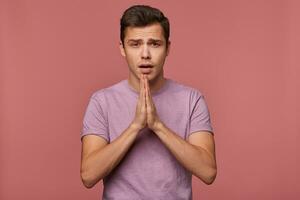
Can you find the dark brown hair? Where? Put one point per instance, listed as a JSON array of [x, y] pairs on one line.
[[143, 15]]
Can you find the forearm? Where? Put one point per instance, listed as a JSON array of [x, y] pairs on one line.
[[101, 162], [194, 158]]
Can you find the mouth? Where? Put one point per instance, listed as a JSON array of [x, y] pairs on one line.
[[145, 68]]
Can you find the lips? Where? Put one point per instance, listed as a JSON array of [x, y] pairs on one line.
[[145, 66]]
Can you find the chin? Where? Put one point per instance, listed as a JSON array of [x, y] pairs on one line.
[[150, 76]]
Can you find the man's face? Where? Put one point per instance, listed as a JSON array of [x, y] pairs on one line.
[[145, 50]]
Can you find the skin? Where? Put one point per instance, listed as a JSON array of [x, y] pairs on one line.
[[197, 154]]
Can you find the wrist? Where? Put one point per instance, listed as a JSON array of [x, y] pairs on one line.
[[158, 126], [135, 127]]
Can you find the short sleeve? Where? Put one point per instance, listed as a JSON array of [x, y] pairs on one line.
[[199, 116], [94, 120]]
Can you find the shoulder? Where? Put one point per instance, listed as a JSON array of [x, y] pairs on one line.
[[185, 89], [103, 93]]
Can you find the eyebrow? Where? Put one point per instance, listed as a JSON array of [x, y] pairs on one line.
[[155, 40], [150, 40], [133, 40]]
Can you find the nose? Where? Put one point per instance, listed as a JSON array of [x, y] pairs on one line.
[[145, 52]]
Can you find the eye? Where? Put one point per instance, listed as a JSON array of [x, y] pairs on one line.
[[134, 44], [155, 44]]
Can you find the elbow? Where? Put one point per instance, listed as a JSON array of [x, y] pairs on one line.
[[210, 178], [87, 184], [87, 181]]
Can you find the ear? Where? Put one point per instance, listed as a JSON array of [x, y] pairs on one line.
[[169, 46], [122, 50]]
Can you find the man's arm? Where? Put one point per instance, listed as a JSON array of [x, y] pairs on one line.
[[197, 154], [98, 158]]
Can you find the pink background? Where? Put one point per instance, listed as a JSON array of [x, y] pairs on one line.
[[243, 55]]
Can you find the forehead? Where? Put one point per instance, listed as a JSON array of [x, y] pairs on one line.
[[153, 31]]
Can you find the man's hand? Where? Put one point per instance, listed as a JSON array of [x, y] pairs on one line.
[[153, 120], [145, 114], [140, 119]]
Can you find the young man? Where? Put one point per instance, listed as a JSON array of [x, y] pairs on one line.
[[145, 136]]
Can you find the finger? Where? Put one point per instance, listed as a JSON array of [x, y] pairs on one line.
[[149, 93], [146, 84], [141, 87], [148, 96], [142, 103], [146, 90], [144, 93]]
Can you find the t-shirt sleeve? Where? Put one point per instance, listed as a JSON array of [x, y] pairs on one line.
[[94, 120], [199, 116]]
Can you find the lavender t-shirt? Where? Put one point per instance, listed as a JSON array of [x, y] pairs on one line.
[[148, 170]]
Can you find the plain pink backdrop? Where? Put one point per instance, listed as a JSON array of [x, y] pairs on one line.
[[243, 55]]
